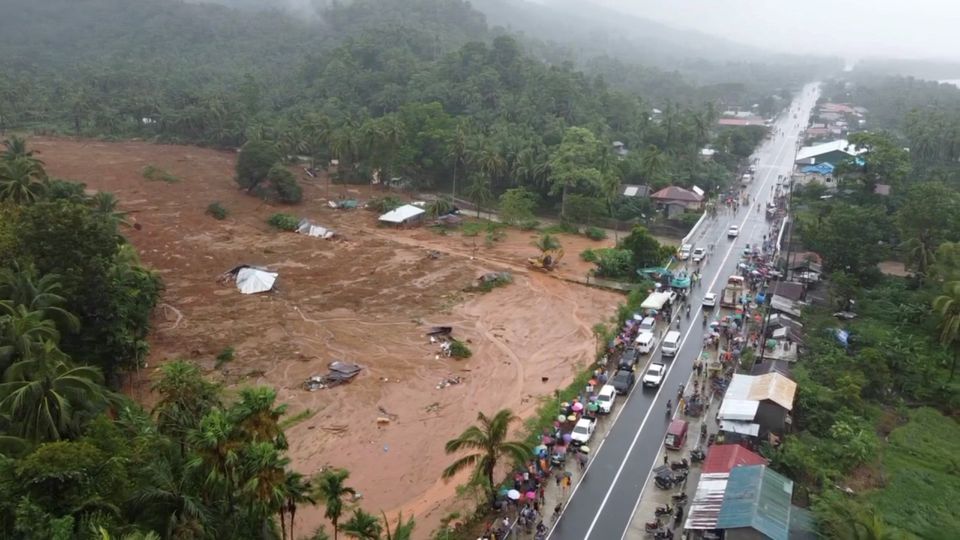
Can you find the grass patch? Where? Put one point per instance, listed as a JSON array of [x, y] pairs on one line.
[[550, 407], [473, 228], [558, 228], [305, 414], [595, 233], [153, 173], [921, 465]]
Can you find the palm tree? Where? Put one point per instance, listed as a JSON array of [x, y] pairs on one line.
[[403, 530], [948, 306], [47, 397], [16, 147], [24, 333], [218, 453], [20, 286], [652, 163], [185, 399], [489, 441], [256, 416], [296, 491], [479, 191], [457, 150], [263, 481], [105, 203], [21, 180], [169, 498], [363, 526], [547, 242], [330, 488]]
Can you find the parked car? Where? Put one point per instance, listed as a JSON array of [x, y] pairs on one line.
[[710, 300], [582, 431], [654, 375], [648, 324], [733, 231], [699, 254], [685, 251], [645, 342], [606, 398], [623, 381], [628, 359]]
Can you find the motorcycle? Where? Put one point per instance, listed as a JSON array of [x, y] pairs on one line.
[[679, 498], [663, 510], [697, 455], [683, 464], [652, 526], [665, 534], [663, 482]]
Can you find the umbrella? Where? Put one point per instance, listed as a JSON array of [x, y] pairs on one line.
[[572, 418], [564, 405], [585, 449], [531, 495], [504, 491], [561, 418], [539, 449], [568, 474], [513, 494], [577, 407], [593, 406], [593, 382], [546, 439], [567, 438]]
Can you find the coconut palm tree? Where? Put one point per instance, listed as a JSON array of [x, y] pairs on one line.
[[218, 453], [48, 398], [262, 482], [457, 151], [479, 191], [296, 491], [168, 501], [403, 530], [330, 488], [23, 333], [14, 148], [489, 440], [185, 399], [547, 242], [105, 203], [21, 180], [20, 287], [652, 163], [948, 306], [362, 526], [257, 417]]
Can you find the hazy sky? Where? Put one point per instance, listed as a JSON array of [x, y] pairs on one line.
[[857, 28]]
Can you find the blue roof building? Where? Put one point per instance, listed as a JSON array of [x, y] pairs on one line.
[[756, 504]]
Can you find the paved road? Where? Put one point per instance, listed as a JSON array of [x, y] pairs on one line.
[[603, 501]]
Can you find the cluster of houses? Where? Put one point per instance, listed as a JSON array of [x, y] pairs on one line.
[[833, 121], [737, 492]]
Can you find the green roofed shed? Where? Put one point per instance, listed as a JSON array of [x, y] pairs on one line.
[[756, 504]]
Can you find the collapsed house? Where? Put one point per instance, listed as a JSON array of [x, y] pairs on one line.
[[310, 229], [340, 372], [250, 279]]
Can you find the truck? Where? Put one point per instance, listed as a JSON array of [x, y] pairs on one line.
[[730, 297]]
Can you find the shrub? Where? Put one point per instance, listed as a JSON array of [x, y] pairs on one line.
[[383, 205], [283, 186], [473, 228], [517, 205], [588, 255], [595, 233], [528, 225], [459, 349], [284, 222], [155, 173], [256, 160], [438, 207], [226, 355], [217, 211]]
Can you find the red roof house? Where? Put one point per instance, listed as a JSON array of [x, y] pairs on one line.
[[678, 195], [722, 458]]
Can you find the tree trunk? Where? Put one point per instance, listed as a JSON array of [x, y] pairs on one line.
[[563, 204], [953, 366], [454, 190]]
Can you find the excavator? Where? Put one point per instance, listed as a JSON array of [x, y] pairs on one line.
[[548, 260]]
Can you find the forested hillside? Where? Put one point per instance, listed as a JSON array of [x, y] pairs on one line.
[[419, 89]]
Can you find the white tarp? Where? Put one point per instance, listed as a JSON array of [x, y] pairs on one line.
[[254, 280], [317, 231], [655, 301], [402, 214], [742, 428]]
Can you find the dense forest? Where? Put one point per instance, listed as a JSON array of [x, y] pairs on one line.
[[414, 89]]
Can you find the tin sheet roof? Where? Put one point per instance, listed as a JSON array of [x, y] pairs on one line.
[[706, 504], [722, 458], [741, 428], [774, 387], [738, 409], [758, 498]]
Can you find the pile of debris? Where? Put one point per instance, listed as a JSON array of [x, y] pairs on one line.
[[249, 279], [340, 372], [449, 381], [308, 228]]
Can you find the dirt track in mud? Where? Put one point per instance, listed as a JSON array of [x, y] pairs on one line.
[[367, 299]]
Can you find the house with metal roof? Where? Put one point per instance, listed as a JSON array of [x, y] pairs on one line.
[[675, 195], [833, 152], [708, 499], [756, 504], [756, 407]]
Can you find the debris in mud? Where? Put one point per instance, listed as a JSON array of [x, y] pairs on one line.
[[449, 381], [433, 407], [340, 372]]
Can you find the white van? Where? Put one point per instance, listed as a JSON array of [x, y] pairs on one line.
[[645, 342], [648, 324], [671, 343]]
